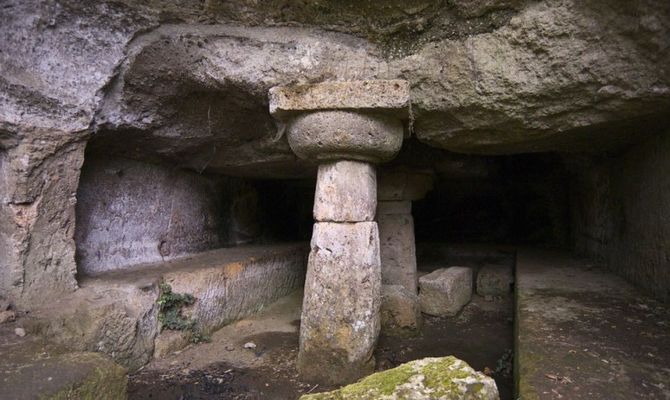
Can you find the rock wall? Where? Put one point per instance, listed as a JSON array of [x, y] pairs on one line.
[[621, 213], [131, 212], [186, 83], [39, 174]]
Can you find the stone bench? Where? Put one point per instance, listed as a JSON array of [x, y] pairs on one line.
[[117, 313]]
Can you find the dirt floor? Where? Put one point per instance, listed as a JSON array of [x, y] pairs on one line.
[[265, 369], [585, 333]]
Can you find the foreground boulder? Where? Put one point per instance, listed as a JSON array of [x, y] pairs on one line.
[[430, 378], [32, 369]]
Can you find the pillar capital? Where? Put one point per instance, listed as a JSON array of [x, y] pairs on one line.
[[356, 120]]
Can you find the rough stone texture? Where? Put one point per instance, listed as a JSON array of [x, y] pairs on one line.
[[39, 174], [7, 316], [401, 185], [187, 82], [394, 207], [384, 96], [340, 315], [259, 276], [346, 191], [31, 369], [119, 320], [333, 135], [168, 342], [398, 251], [495, 280], [445, 291], [512, 76], [580, 328], [445, 378], [131, 213], [621, 213], [400, 311], [116, 313]]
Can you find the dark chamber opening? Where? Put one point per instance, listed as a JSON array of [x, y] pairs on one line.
[[522, 199], [285, 209]]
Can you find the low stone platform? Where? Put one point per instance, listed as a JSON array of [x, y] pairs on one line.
[[117, 313], [30, 369], [584, 333]]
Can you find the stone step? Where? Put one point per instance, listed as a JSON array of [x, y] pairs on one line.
[[585, 333], [117, 313]]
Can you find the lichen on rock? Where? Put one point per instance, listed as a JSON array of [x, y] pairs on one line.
[[443, 378]]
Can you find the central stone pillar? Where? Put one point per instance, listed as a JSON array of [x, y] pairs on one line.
[[347, 127]]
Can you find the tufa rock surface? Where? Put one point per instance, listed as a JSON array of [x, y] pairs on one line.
[[334, 135], [445, 291], [398, 249], [400, 311], [495, 280], [186, 83], [192, 79], [340, 314], [445, 378], [346, 191], [32, 369]]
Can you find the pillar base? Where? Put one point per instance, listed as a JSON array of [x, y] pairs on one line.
[[400, 312]]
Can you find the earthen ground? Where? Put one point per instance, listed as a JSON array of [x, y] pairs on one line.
[[585, 333], [481, 335]]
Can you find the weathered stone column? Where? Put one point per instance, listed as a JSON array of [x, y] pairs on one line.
[[396, 191], [347, 127]]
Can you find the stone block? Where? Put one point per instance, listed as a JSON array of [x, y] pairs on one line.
[[346, 191], [340, 316], [117, 313], [400, 311], [398, 252], [391, 96], [495, 280], [394, 207], [445, 291]]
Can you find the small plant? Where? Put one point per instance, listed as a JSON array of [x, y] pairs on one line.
[[199, 337], [170, 316], [171, 303]]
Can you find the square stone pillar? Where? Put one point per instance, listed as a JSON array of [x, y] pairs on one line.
[[396, 190], [398, 251]]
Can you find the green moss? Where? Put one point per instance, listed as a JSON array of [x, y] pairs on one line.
[[441, 376], [108, 382], [170, 313], [376, 385], [382, 383]]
